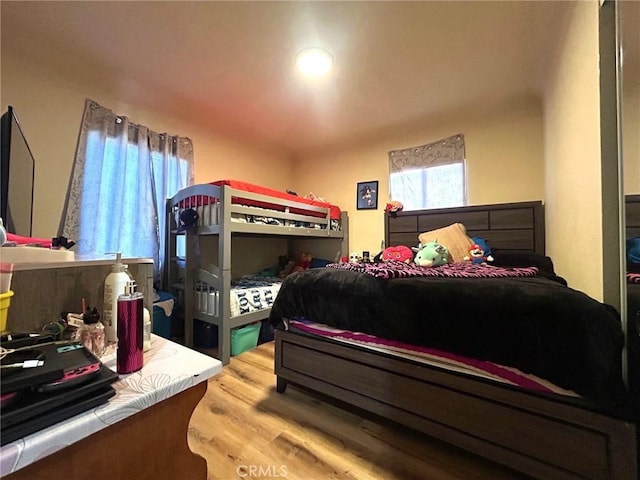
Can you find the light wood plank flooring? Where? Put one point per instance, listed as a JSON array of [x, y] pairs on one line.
[[245, 429]]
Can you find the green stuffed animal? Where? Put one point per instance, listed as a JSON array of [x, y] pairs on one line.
[[431, 254]]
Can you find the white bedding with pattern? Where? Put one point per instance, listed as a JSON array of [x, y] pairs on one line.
[[248, 294], [254, 298]]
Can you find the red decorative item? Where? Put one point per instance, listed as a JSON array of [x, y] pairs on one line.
[[401, 253], [393, 207]]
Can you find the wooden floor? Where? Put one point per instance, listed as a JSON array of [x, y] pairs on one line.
[[245, 429]]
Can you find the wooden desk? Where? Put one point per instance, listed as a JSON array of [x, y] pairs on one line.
[[140, 433]]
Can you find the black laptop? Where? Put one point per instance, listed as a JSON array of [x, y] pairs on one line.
[[28, 404], [70, 381], [58, 365], [57, 414]]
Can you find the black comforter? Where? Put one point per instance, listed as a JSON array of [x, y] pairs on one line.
[[534, 324]]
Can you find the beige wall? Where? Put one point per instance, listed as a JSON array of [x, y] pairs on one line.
[[503, 143], [548, 148], [572, 153], [49, 105]]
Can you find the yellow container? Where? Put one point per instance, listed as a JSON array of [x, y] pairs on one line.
[[5, 300]]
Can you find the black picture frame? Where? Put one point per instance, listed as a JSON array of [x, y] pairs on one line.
[[367, 195]]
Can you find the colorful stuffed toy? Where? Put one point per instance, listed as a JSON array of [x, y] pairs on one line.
[[303, 263], [633, 250], [354, 257], [400, 253], [431, 254], [479, 254], [393, 207]]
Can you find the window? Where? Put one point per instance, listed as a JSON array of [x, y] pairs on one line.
[[170, 175], [122, 175], [429, 176]]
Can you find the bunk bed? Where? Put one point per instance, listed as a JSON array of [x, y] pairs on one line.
[[225, 210], [512, 416]]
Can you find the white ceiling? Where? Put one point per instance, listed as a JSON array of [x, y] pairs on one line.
[[229, 65]]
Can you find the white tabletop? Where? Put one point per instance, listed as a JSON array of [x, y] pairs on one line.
[[169, 368]]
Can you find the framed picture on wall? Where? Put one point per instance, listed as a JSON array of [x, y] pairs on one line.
[[367, 195]]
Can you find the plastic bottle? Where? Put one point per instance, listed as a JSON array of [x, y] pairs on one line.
[[147, 328], [129, 353], [114, 285]]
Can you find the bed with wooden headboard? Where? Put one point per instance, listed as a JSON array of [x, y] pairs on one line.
[[507, 226], [632, 226], [544, 434]]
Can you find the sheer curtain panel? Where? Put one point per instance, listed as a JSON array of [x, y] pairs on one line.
[[122, 174]]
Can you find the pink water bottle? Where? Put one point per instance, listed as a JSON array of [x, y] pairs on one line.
[[130, 330]]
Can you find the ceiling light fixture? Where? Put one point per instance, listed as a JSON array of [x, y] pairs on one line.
[[314, 62]]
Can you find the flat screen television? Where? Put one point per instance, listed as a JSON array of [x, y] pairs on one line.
[[17, 173]]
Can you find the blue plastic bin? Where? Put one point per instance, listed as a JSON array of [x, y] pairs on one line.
[[163, 324]]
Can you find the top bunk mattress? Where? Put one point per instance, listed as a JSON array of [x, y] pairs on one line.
[[334, 211]]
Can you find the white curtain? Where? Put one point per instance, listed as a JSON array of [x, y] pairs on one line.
[[122, 175]]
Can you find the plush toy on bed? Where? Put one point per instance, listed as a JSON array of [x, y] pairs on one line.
[[633, 250], [400, 253], [286, 264], [479, 252], [303, 262], [431, 254], [393, 207]]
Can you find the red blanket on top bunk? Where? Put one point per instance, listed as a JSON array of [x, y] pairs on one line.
[[334, 211]]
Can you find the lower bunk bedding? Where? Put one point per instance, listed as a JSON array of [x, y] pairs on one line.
[[505, 362], [246, 300], [247, 294]]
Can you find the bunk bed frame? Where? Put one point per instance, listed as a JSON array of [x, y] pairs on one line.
[[220, 199], [544, 436]]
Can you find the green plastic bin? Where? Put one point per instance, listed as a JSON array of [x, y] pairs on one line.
[[244, 338]]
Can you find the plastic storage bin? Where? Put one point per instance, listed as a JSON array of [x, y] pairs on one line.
[[5, 301], [205, 335], [244, 338], [163, 324]]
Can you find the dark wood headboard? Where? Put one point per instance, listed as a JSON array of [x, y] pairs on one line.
[[632, 215], [506, 226]]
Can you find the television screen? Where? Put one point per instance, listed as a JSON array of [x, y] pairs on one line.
[[16, 177]]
